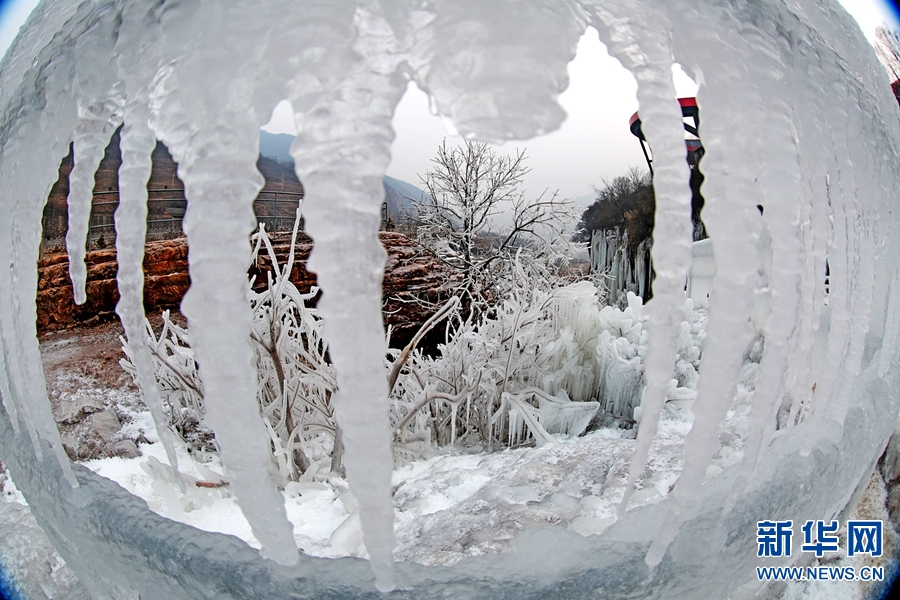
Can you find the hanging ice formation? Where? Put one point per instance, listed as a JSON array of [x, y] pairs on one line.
[[798, 117]]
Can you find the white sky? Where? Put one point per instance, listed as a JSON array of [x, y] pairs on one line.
[[593, 143], [599, 101]]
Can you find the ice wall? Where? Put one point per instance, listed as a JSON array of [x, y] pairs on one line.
[[798, 117]]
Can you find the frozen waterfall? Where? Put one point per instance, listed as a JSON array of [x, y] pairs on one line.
[[798, 118]]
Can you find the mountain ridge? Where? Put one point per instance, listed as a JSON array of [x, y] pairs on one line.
[[399, 195]]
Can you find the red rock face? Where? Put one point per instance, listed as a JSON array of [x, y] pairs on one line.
[[165, 282], [413, 277], [413, 280]]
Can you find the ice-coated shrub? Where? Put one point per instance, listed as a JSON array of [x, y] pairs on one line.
[[544, 362], [691, 340], [179, 384], [295, 379]]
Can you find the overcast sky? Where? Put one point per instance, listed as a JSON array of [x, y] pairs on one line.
[[593, 143]]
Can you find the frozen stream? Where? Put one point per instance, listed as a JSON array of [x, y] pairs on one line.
[[798, 117]]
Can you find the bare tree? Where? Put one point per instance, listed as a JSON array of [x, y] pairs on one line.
[[469, 186]]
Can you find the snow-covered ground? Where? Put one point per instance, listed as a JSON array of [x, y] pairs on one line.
[[448, 507], [453, 504]]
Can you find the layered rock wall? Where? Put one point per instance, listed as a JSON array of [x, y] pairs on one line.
[[414, 281]]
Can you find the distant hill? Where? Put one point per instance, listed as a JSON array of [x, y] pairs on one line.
[[276, 146], [407, 190], [398, 194]]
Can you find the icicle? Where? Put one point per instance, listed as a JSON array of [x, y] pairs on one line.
[[219, 320], [863, 259], [33, 385], [826, 373], [14, 401], [218, 166], [137, 144], [782, 219], [453, 407], [13, 367], [815, 158], [732, 193], [91, 138], [831, 160], [18, 284], [641, 43], [344, 192], [852, 365]]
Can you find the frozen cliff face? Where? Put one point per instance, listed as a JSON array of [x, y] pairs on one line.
[[797, 118]]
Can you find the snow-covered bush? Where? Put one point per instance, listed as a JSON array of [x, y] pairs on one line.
[[295, 379], [545, 361], [691, 341], [517, 375], [179, 384]]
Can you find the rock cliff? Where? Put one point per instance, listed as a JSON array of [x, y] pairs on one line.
[[413, 279]]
